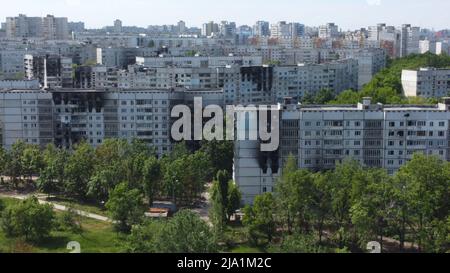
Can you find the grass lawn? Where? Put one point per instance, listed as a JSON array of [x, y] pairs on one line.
[[97, 237], [91, 208], [246, 249]]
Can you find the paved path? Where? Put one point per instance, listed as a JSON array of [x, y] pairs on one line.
[[203, 210], [58, 207]]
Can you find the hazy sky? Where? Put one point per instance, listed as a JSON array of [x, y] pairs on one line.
[[346, 13]]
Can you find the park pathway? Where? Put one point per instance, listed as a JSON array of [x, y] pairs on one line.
[[56, 206]]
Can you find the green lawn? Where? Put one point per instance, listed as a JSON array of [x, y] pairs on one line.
[[246, 249], [91, 208], [97, 237]]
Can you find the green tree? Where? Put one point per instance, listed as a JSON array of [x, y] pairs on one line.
[[28, 219], [297, 243], [259, 219], [220, 155], [51, 178], [70, 220], [100, 184], [299, 198], [152, 178], [372, 195], [186, 233], [425, 182], [78, 171], [13, 167], [283, 193], [324, 96], [234, 199], [126, 207], [322, 198], [144, 238], [341, 189], [348, 97], [109, 169], [31, 161], [3, 160]]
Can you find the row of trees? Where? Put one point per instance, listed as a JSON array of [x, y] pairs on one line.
[[350, 206], [88, 173]]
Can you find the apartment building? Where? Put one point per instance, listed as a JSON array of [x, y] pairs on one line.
[[210, 28], [319, 137], [67, 116], [270, 84], [261, 28], [19, 84], [328, 31], [370, 62], [140, 77], [426, 82], [12, 64], [386, 37], [52, 71], [49, 27], [409, 41], [199, 61]]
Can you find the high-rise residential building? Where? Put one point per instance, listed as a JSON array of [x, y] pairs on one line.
[[328, 31], [67, 116], [280, 30], [49, 27], [118, 26], [210, 28], [55, 28], [386, 37], [271, 84], [319, 137], [227, 29], [261, 29], [297, 30], [181, 27], [409, 40]]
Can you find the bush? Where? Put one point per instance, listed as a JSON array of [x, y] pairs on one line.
[[70, 221], [297, 243], [28, 219]]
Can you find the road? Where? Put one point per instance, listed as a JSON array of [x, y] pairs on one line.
[[57, 206]]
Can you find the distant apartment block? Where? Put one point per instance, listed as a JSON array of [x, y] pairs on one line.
[[328, 31], [426, 82], [49, 27]]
